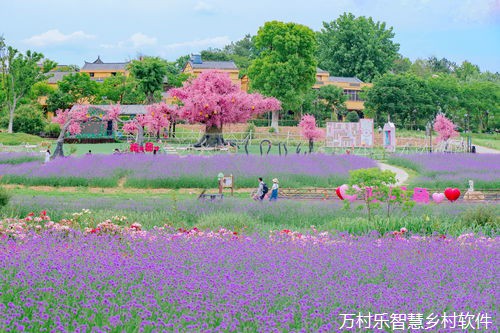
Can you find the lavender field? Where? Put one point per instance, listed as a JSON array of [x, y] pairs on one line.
[[441, 170], [158, 281], [167, 171]]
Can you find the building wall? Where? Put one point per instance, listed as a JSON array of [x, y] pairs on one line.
[[101, 75], [233, 74]]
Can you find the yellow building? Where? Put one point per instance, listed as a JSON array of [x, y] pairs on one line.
[[352, 87], [196, 66], [99, 70]]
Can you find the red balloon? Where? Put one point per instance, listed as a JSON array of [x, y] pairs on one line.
[[452, 194], [337, 190]]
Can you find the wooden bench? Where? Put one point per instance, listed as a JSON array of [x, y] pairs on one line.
[[210, 196]]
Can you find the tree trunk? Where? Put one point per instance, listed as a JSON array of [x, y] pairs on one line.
[[12, 108], [151, 98], [311, 145], [140, 135], [212, 137], [274, 120], [58, 152]]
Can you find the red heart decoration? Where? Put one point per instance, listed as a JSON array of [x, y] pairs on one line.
[[452, 194], [337, 190]]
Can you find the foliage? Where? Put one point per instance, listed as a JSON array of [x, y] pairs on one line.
[[78, 88], [150, 73], [405, 97], [352, 117], [121, 89], [18, 74], [356, 46], [58, 100], [333, 99], [52, 130], [483, 215], [28, 119], [285, 67], [481, 103], [213, 99], [175, 77], [444, 127], [4, 197], [377, 186], [401, 65]]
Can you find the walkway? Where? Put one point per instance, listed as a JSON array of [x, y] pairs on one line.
[[484, 150], [401, 175]]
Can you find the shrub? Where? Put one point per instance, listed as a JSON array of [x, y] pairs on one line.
[[484, 216], [52, 130], [27, 119], [4, 197], [352, 117]]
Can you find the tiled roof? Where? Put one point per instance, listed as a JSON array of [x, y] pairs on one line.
[[55, 77], [344, 79], [214, 65], [319, 70], [99, 65], [125, 109]]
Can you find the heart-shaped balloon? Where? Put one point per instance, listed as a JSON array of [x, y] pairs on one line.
[[343, 192], [438, 197], [337, 190], [452, 194]]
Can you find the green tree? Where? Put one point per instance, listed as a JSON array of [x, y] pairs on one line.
[[79, 88], [406, 98], [285, 67], [356, 46], [175, 77], [481, 103], [28, 118], [467, 71], [121, 89], [401, 65], [352, 117], [150, 73], [19, 72], [333, 99]]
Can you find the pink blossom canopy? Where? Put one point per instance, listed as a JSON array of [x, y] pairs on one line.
[[71, 118], [444, 127], [213, 99], [308, 128]]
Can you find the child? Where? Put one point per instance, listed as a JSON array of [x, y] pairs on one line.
[[274, 190]]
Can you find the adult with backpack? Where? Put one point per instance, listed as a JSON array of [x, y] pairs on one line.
[[261, 190]]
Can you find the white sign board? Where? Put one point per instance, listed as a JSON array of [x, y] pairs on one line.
[[349, 135]]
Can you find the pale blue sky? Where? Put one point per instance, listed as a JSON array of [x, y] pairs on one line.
[[72, 31]]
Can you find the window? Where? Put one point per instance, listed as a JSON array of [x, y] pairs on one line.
[[352, 95], [91, 74], [113, 73]]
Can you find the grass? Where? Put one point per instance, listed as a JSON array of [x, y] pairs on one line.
[[15, 139], [245, 215], [486, 140]]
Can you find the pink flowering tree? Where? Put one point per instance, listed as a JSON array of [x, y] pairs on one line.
[[309, 131], [445, 128], [70, 120], [214, 100]]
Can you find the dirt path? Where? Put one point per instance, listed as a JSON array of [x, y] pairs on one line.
[[485, 150], [401, 175]]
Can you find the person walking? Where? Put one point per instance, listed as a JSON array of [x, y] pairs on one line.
[[261, 190], [47, 156], [274, 190]]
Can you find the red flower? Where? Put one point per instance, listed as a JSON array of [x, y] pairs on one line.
[[43, 213], [286, 231], [31, 214]]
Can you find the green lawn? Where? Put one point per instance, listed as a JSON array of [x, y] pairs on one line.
[[16, 139]]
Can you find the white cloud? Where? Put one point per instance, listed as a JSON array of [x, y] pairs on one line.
[[135, 41], [203, 6], [54, 36], [140, 39], [201, 43], [478, 10]]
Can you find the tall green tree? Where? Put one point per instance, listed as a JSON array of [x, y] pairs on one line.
[[333, 99], [121, 89], [79, 88], [356, 46], [406, 98], [19, 72], [150, 73], [481, 103], [286, 65]]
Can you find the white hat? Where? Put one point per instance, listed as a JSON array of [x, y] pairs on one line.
[[275, 180]]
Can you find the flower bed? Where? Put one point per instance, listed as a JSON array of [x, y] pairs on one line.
[[442, 170], [157, 171], [113, 278], [18, 158]]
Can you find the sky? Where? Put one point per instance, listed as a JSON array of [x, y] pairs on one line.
[[74, 31]]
